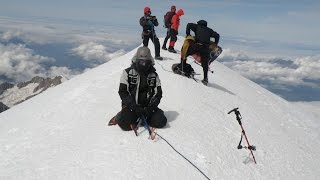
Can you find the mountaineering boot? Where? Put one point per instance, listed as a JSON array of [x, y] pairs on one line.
[[171, 49], [159, 58], [205, 81], [113, 121]]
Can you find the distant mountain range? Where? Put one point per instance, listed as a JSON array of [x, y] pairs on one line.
[[13, 94]]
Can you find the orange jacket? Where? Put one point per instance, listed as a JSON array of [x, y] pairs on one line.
[[175, 21]]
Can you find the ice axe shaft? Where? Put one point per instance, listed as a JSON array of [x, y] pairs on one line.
[[250, 147]]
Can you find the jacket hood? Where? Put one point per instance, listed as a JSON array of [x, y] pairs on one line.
[[143, 53], [202, 23], [180, 12]]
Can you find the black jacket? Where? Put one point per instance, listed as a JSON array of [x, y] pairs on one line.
[[137, 89], [146, 25], [202, 32]]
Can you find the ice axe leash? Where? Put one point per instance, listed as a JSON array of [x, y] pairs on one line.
[[243, 133]]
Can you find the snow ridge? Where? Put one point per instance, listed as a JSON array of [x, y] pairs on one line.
[[63, 134]]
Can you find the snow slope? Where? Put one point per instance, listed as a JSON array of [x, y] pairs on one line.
[[63, 133]]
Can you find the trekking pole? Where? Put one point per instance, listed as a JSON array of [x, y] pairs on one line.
[[250, 147]]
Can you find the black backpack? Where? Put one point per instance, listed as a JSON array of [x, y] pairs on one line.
[[167, 19], [185, 69]]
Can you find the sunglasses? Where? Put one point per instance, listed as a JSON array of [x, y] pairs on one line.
[[144, 62]]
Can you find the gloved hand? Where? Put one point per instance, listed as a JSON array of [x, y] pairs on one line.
[[140, 111], [149, 112], [129, 103], [150, 23]]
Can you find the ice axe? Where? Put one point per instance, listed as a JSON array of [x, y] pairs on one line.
[[250, 147]]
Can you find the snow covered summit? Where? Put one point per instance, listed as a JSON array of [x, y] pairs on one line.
[[63, 134]]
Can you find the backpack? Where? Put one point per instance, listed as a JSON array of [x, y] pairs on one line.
[[185, 70], [167, 19]]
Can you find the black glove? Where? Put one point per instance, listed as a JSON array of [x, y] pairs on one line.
[[149, 112], [140, 111], [129, 103]]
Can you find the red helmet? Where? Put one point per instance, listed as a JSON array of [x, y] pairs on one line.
[[146, 9]]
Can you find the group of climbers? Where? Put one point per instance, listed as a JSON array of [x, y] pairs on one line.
[[140, 88], [171, 22]]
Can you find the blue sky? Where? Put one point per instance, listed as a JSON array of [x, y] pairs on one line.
[[275, 44]]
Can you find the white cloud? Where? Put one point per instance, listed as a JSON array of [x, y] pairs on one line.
[[29, 32], [46, 31], [95, 51], [19, 64], [278, 71], [6, 36], [62, 71]]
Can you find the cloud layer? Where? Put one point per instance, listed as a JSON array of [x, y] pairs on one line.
[[276, 70], [80, 49], [33, 48], [19, 63], [96, 52]]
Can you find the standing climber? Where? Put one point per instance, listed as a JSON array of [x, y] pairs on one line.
[[167, 24], [148, 23]]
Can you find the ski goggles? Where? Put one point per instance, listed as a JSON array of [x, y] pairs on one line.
[[144, 62]]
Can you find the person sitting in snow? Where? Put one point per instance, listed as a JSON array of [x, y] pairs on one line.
[[140, 92]]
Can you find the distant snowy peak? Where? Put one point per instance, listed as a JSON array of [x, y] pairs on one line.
[[5, 86], [3, 107], [43, 83], [11, 94]]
